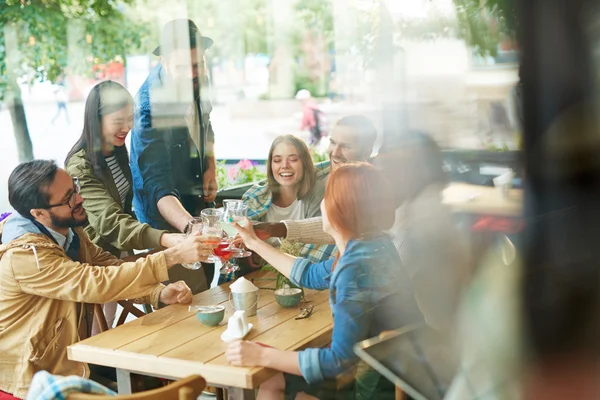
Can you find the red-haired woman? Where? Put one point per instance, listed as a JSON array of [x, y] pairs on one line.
[[369, 290]]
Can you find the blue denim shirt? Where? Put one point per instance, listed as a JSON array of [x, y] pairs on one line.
[[164, 159], [369, 292]]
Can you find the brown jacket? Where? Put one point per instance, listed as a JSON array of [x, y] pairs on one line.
[[41, 296]]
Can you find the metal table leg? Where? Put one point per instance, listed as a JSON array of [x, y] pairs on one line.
[[123, 381], [240, 394]]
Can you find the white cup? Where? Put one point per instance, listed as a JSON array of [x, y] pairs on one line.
[[242, 315], [237, 324]]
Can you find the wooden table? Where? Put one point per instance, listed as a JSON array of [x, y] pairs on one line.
[[171, 343], [483, 200]]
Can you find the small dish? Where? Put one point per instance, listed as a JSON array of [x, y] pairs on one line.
[[210, 315], [288, 297], [226, 337]]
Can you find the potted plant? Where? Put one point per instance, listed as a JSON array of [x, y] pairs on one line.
[[291, 248]]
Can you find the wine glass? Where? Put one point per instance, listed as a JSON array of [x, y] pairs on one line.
[[213, 215], [212, 229], [235, 211], [195, 226], [224, 252], [228, 214]]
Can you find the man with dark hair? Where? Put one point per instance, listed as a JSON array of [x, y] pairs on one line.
[[26, 185], [352, 139], [49, 270], [172, 142]]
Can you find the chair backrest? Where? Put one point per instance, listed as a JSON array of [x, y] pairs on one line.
[[184, 389], [128, 308], [414, 358]]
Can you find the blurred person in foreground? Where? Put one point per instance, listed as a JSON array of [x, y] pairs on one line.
[[172, 142], [530, 322], [50, 269], [369, 292], [429, 243]]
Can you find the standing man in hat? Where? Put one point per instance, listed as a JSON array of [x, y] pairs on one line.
[[172, 142]]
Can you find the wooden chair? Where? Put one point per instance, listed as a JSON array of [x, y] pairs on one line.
[[128, 306], [184, 389]]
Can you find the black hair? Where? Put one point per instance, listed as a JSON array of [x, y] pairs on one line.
[[27, 186], [105, 98]]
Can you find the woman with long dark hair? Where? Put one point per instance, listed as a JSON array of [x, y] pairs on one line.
[[100, 161]]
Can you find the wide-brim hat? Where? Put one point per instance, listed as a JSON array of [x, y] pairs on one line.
[[174, 31]]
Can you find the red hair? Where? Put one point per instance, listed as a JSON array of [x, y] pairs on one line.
[[357, 201]]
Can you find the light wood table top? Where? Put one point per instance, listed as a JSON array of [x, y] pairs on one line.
[[172, 343], [483, 200]]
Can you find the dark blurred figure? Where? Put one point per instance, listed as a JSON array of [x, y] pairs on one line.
[[430, 245], [172, 142], [561, 277], [531, 321]]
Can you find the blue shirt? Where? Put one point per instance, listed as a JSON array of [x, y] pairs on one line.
[[369, 292], [164, 159], [62, 240]]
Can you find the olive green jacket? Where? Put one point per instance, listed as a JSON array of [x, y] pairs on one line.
[[111, 224]]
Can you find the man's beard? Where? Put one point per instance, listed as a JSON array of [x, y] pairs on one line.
[[70, 222]]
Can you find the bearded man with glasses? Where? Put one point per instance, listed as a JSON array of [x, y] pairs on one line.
[[51, 274]]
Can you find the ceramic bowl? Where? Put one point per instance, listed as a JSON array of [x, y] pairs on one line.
[[288, 297], [211, 315]]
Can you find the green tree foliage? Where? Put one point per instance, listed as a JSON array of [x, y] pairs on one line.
[[312, 39], [40, 39], [485, 23]]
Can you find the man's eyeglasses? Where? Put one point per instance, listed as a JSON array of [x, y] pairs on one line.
[[71, 201]]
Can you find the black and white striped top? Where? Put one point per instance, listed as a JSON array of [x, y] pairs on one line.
[[123, 185]]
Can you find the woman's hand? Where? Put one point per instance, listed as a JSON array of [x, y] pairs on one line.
[[283, 262], [247, 233], [242, 353], [250, 354]]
